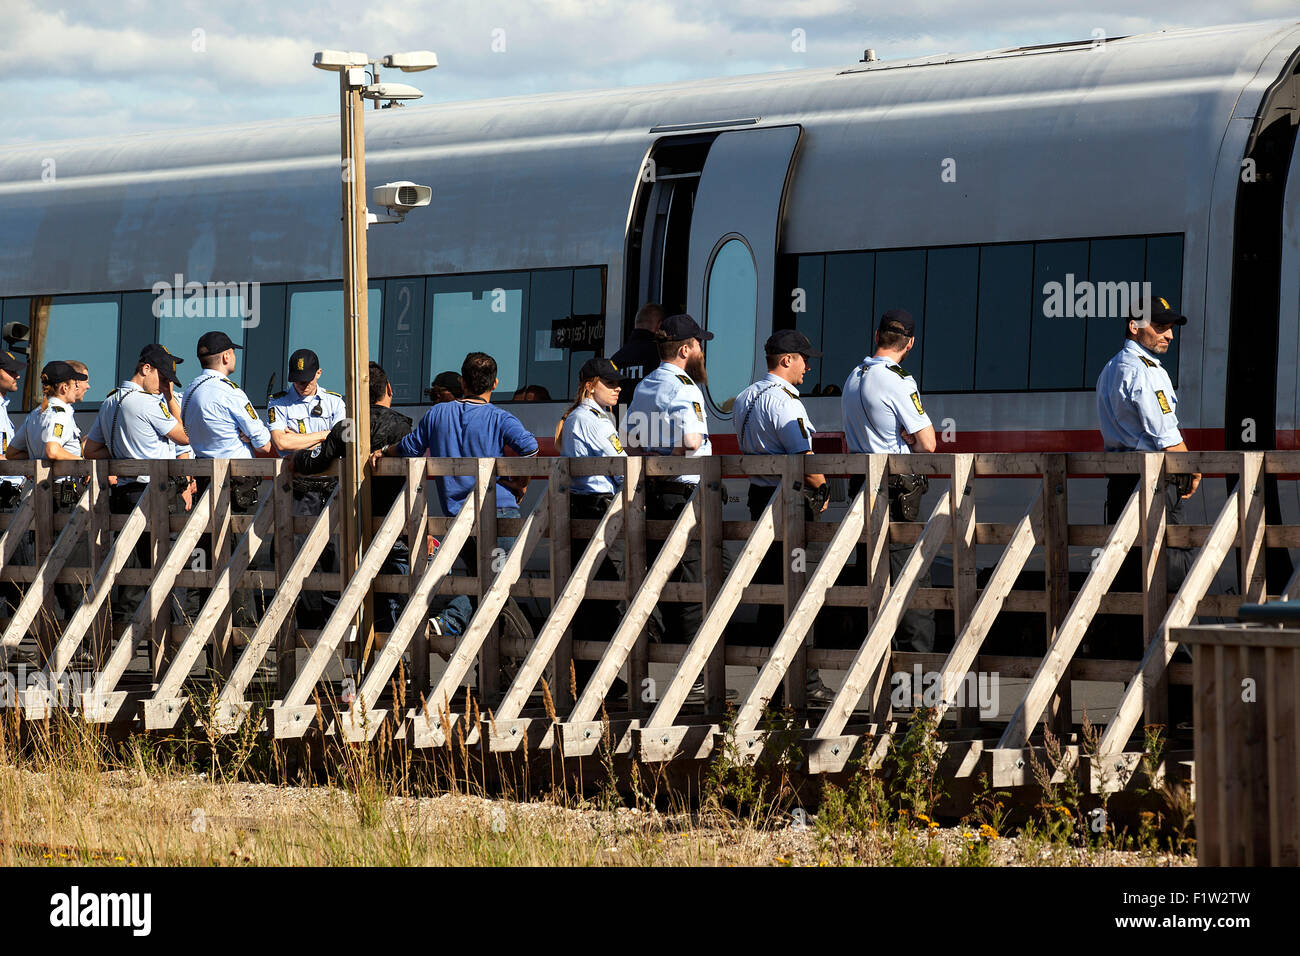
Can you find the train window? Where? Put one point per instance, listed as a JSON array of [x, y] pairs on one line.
[[900, 284], [1116, 268], [1056, 341], [483, 313], [16, 340], [403, 355], [550, 324], [316, 323], [731, 314], [588, 316], [84, 327], [1165, 273], [1005, 302], [263, 357], [805, 302], [847, 327], [137, 328], [951, 294], [181, 323]]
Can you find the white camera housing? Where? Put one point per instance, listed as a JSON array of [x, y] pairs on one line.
[[401, 196]]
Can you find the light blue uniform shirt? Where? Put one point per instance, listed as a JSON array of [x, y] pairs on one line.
[[1136, 403], [56, 423], [6, 436], [879, 399], [218, 416], [666, 407], [133, 423], [289, 411], [590, 433], [771, 420]]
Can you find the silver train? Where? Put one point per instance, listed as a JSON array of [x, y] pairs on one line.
[[958, 186]]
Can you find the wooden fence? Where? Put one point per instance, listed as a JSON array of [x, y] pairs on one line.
[[146, 669]]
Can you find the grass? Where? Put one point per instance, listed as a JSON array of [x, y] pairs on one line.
[[70, 795]]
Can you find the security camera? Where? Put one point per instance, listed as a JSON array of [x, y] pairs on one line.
[[15, 332], [401, 196]]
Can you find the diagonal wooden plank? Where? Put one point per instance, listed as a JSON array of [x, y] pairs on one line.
[[250, 542], [1058, 656], [31, 603], [18, 526], [1181, 610], [638, 612], [98, 704], [805, 611], [490, 606], [362, 720], [343, 615], [710, 632], [117, 557], [1023, 538], [607, 533], [290, 586], [877, 642]]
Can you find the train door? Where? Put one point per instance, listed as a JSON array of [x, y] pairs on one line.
[[704, 240]]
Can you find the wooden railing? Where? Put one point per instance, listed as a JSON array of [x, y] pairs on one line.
[[146, 670]]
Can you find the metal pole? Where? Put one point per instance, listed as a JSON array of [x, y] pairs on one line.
[[356, 503]]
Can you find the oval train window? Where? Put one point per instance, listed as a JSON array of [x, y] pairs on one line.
[[731, 314]]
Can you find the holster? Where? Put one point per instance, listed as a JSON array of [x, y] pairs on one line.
[[905, 494], [1183, 483], [68, 493], [243, 491]]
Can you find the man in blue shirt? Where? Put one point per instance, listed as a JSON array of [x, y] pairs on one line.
[[470, 427]]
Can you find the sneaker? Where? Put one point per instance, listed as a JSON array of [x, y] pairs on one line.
[[439, 626], [696, 696]]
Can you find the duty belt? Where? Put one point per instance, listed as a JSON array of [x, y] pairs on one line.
[[320, 486]]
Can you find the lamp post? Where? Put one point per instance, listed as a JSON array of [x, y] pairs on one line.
[[350, 67]]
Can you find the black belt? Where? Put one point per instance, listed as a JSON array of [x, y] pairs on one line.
[[666, 486], [320, 486]]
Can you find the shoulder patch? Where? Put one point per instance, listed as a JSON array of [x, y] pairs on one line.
[[685, 379], [58, 430], [803, 431], [699, 412], [248, 407], [618, 445], [302, 428], [281, 394], [165, 410], [1147, 362], [230, 383], [270, 415], [916, 400], [1164, 402], [899, 371]]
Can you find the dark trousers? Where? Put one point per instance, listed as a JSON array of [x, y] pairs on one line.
[[246, 611], [314, 607], [771, 617], [664, 502], [596, 620], [915, 631]]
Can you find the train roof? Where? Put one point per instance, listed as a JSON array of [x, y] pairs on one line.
[[1138, 122]]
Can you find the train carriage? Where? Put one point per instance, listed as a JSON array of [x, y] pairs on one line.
[[961, 187]]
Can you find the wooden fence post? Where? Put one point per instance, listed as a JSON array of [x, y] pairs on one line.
[[1056, 555], [1155, 579], [634, 566], [711, 546], [557, 491]]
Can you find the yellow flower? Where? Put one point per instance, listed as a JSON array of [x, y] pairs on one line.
[[988, 831], [119, 859], [933, 825], [1066, 811], [923, 818]]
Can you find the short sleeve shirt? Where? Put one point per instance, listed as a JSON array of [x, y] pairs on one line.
[[318, 412], [218, 417], [771, 419], [133, 423], [666, 407], [6, 436], [467, 429], [1136, 404], [55, 423], [588, 433], [880, 398]]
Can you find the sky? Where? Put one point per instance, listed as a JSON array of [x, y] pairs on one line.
[[87, 69]]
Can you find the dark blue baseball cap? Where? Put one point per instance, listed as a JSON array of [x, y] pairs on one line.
[[679, 328]]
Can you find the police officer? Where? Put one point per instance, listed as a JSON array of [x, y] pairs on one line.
[[301, 417], [51, 432], [639, 355], [140, 419], [11, 486], [771, 420], [586, 430], [1137, 410], [222, 423], [882, 412], [667, 417]]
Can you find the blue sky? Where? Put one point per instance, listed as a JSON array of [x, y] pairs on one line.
[[89, 69]]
